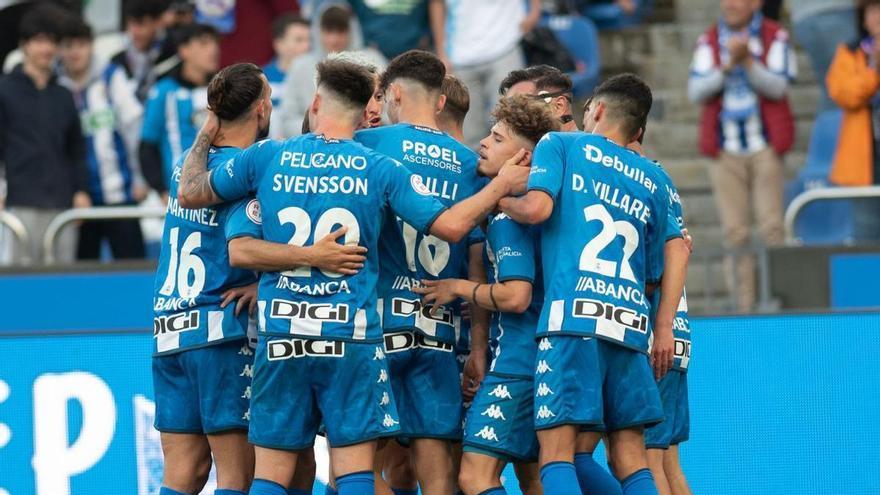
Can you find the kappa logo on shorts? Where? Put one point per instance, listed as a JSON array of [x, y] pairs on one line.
[[300, 310], [589, 308], [543, 390], [248, 371], [247, 393], [402, 341], [543, 367], [501, 392], [245, 351], [386, 399], [544, 412], [247, 415], [379, 356], [389, 422], [545, 345], [494, 412], [180, 322], [383, 376], [297, 348], [487, 433], [408, 307]]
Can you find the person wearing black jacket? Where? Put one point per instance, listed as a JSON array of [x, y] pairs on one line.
[[41, 144]]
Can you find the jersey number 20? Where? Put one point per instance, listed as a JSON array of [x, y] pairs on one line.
[[302, 229]]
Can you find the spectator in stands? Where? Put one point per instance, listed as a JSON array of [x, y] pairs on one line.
[[335, 35], [243, 25], [110, 115], [854, 84], [740, 73], [393, 27], [149, 54], [41, 143], [458, 102], [545, 83], [177, 105], [291, 38], [482, 49], [819, 26]]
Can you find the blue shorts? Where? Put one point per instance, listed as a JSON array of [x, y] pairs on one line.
[[426, 385], [500, 422], [204, 390], [300, 384], [675, 429], [591, 382]]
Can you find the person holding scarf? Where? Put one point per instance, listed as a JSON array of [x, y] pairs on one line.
[[741, 71], [854, 84]]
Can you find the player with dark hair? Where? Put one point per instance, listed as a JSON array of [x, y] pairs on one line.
[[596, 321], [455, 109], [419, 343], [544, 83], [500, 424], [177, 104], [320, 357]]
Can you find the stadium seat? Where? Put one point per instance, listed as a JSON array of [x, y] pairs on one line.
[[580, 36], [821, 222]]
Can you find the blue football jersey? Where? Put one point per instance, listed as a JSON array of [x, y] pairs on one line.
[[681, 325], [449, 170], [308, 187], [608, 224], [514, 253], [173, 115], [194, 270]]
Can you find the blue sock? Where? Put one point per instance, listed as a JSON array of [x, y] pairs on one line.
[[640, 482], [560, 478], [593, 478], [405, 491], [329, 490], [297, 491], [266, 487], [169, 491], [225, 491], [498, 490], [361, 483]]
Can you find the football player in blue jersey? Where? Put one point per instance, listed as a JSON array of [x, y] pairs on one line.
[[320, 357], [420, 345], [500, 424], [595, 324], [202, 363]]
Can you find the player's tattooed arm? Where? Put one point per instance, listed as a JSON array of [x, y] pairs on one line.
[[675, 260], [456, 222], [195, 190], [326, 254]]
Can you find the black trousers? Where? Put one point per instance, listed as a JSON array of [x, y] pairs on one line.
[[125, 237]]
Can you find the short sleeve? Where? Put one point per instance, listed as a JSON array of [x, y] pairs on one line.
[[154, 116], [237, 177], [514, 249], [244, 220], [476, 236], [658, 235], [410, 199], [548, 164]]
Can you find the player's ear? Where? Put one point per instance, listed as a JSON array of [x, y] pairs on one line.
[[600, 111], [441, 103], [316, 104]]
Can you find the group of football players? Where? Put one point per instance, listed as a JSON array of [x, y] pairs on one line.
[[436, 313]]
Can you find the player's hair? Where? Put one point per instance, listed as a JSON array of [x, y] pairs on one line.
[[355, 57], [420, 66], [335, 19], [526, 117], [185, 34], [43, 20], [861, 7], [281, 24], [234, 90], [628, 101], [545, 77], [144, 9], [76, 29], [458, 99], [351, 83]]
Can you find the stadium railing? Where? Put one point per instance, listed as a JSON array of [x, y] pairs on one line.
[[818, 194], [94, 213], [18, 229]]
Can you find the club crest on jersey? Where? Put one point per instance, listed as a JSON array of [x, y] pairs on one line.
[[590, 308], [418, 185], [180, 322], [278, 350], [252, 210], [300, 310]]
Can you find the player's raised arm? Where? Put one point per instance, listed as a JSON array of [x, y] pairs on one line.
[[545, 181], [327, 254], [195, 189]]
